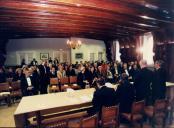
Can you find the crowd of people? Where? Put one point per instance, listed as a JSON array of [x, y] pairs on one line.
[[136, 81]]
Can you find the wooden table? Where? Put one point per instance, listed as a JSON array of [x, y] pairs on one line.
[[52, 102], [62, 101]]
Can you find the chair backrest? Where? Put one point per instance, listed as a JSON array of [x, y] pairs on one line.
[[55, 124], [109, 115], [16, 85], [138, 107], [160, 105], [90, 122], [64, 80], [52, 119], [72, 79], [9, 80], [53, 81], [4, 87]]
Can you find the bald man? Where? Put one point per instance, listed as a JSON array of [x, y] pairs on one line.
[[143, 82]]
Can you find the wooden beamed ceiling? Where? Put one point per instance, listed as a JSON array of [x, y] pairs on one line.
[[96, 19]]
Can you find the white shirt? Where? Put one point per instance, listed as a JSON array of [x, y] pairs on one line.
[[127, 72], [29, 81]]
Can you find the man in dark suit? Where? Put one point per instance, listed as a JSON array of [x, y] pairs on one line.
[[133, 72], [159, 82], [28, 85], [2, 76], [143, 83], [103, 96], [125, 94], [81, 78], [44, 77], [53, 73], [70, 71], [34, 62]]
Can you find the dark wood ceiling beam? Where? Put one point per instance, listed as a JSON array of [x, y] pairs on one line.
[[119, 7], [46, 23], [32, 15], [41, 34], [27, 6], [62, 30]]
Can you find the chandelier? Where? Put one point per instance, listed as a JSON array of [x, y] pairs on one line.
[[74, 43]]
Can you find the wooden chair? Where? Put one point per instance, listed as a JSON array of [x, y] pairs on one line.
[[48, 119], [171, 110], [5, 92], [54, 81], [73, 79], [136, 115], [55, 124], [54, 85], [73, 82], [9, 80], [158, 112], [15, 90], [90, 122], [64, 80], [109, 117]]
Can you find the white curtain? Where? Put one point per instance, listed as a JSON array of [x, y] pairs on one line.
[[117, 51], [147, 47]]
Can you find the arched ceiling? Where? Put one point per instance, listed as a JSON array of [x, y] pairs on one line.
[[95, 19]]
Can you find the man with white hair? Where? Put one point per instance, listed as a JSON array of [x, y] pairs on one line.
[[143, 82]]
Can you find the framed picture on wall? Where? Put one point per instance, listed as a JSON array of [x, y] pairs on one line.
[[44, 56], [79, 55]]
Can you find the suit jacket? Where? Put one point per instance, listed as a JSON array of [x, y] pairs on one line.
[[34, 63], [2, 77], [53, 74], [125, 94], [142, 84], [103, 97], [17, 77], [24, 85], [80, 79], [133, 73], [159, 84], [44, 76], [70, 72], [92, 75]]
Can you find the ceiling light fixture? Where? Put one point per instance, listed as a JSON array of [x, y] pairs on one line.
[[78, 5], [74, 43]]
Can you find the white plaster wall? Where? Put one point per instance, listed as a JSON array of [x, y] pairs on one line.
[[51, 45], [89, 46]]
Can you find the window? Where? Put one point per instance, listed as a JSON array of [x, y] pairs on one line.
[[92, 57], [100, 56], [147, 47], [117, 51], [28, 56]]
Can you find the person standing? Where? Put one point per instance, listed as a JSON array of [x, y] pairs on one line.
[[44, 77], [2, 75], [143, 82], [159, 82], [33, 62], [125, 94]]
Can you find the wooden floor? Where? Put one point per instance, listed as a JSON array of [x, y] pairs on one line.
[[7, 120]]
